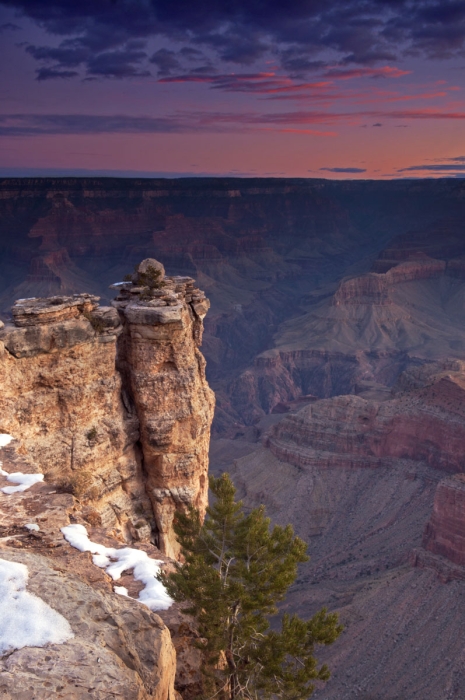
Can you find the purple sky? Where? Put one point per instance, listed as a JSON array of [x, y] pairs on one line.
[[367, 88]]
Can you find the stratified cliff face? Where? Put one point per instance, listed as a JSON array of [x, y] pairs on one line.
[[62, 396], [357, 477], [165, 374], [445, 532], [132, 444], [372, 328], [425, 424]]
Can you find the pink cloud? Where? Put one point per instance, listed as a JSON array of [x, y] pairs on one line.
[[383, 72], [309, 132], [261, 83]]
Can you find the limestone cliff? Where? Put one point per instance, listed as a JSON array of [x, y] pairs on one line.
[[112, 403]]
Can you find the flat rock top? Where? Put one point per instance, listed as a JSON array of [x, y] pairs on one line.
[[44, 304], [33, 311]]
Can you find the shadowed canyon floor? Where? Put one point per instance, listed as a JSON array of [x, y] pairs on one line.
[[358, 477]]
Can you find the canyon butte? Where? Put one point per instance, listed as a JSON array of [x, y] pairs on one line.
[[335, 345]]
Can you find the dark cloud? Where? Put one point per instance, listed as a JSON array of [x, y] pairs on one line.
[[66, 56], [298, 34], [9, 27], [439, 167], [53, 74], [124, 63], [260, 83], [45, 124], [302, 122], [344, 170], [166, 61], [298, 64]]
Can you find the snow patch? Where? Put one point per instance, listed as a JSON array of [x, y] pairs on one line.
[[25, 619], [25, 481], [5, 439], [32, 527], [115, 561], [121, 590]]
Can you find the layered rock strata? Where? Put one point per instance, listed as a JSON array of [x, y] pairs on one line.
[[371, 329], [62, 396], [445, 532], [112, 403], [165, 375], [424, 424]]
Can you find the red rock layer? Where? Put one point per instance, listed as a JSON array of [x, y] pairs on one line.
[[374, 288], [426, 424], [445, 532]]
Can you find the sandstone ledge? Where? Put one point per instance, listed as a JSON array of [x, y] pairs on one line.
[[55, 323]]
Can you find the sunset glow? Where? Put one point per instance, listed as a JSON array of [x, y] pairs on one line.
[[101, 92]]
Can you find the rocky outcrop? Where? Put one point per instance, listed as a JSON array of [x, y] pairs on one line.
[[62, 395], [374, 288], [112, 403], [119, 647], [165, 374]]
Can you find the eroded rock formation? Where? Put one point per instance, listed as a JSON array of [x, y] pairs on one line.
[[112, 403], [423, 424], [371, 329], [119, 647], [445, 531], [165, 374], [357, 477]]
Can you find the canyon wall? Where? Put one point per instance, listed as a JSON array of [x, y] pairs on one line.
[[375, 484], [445, 531], [423, 424], [260, 248], [113, 403], [370, 330]]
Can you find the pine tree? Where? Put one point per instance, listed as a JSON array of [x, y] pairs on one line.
[[235, 571]]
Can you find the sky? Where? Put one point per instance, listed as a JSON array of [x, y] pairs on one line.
[[247, 88]]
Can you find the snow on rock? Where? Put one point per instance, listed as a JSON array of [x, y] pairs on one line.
[[32, 527], [115, 561], [25, 619], [5, 439], [121, 590], [25, 481]]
